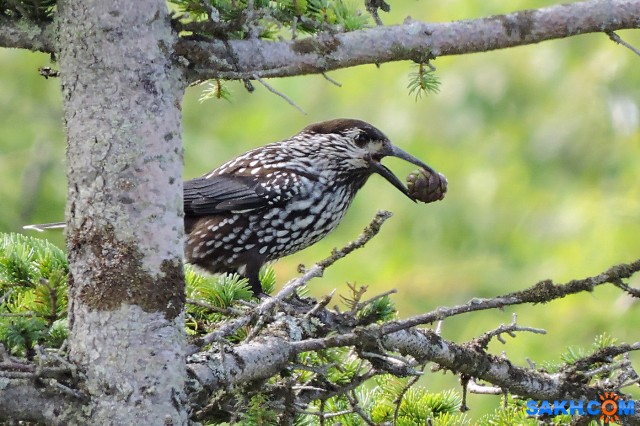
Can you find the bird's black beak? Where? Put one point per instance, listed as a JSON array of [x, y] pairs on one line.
[[394, 151]]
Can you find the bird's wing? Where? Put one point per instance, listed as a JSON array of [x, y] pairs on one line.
[[223, 193]]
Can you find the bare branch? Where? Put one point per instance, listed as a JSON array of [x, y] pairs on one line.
[[632, 291], [425, 345], [326, 415], [259, 359], [372, 7], [331, 80], [39, 392], [361, 305], [398, 401], [416, 41], [225, 329], [603, 355], [25, 400], [476, 388], [616, 38], [604, 369], [323, 394], [355, 405], [510, 329], [321, 304], [277, 92], [543, 292]]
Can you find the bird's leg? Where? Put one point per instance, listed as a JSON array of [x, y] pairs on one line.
[[253, 275]]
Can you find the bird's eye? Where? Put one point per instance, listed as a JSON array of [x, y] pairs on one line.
[[361, 139]]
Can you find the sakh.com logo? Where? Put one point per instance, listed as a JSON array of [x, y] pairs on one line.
[[608, 408]]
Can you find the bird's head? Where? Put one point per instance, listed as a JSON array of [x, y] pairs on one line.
[[357, 147]]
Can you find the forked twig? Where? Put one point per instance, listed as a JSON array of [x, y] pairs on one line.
[[277, 92], [616, 38]]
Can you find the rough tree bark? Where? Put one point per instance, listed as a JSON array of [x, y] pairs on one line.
[[124, 230]]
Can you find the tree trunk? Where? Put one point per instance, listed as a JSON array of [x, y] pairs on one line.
[[124, 211]]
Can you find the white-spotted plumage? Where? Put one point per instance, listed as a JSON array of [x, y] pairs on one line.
[[281, 198]]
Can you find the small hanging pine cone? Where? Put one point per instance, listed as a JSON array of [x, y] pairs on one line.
[[426, 186]]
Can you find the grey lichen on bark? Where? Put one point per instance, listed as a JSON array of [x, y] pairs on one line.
[[124, 235]]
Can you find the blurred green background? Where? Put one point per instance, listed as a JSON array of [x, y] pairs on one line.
[[540, 144]]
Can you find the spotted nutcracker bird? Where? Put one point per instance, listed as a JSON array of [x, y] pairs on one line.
[[283, 197]]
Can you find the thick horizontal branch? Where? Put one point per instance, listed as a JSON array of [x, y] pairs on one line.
[[39, 402], [258, 359], [426, 345], [417, 41], [261, 360]]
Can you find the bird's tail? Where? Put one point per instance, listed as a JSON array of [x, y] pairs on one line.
[[41, 227]]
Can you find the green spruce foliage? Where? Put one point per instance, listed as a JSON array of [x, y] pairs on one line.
[[268, 19], [33, 294], [423, 81]]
